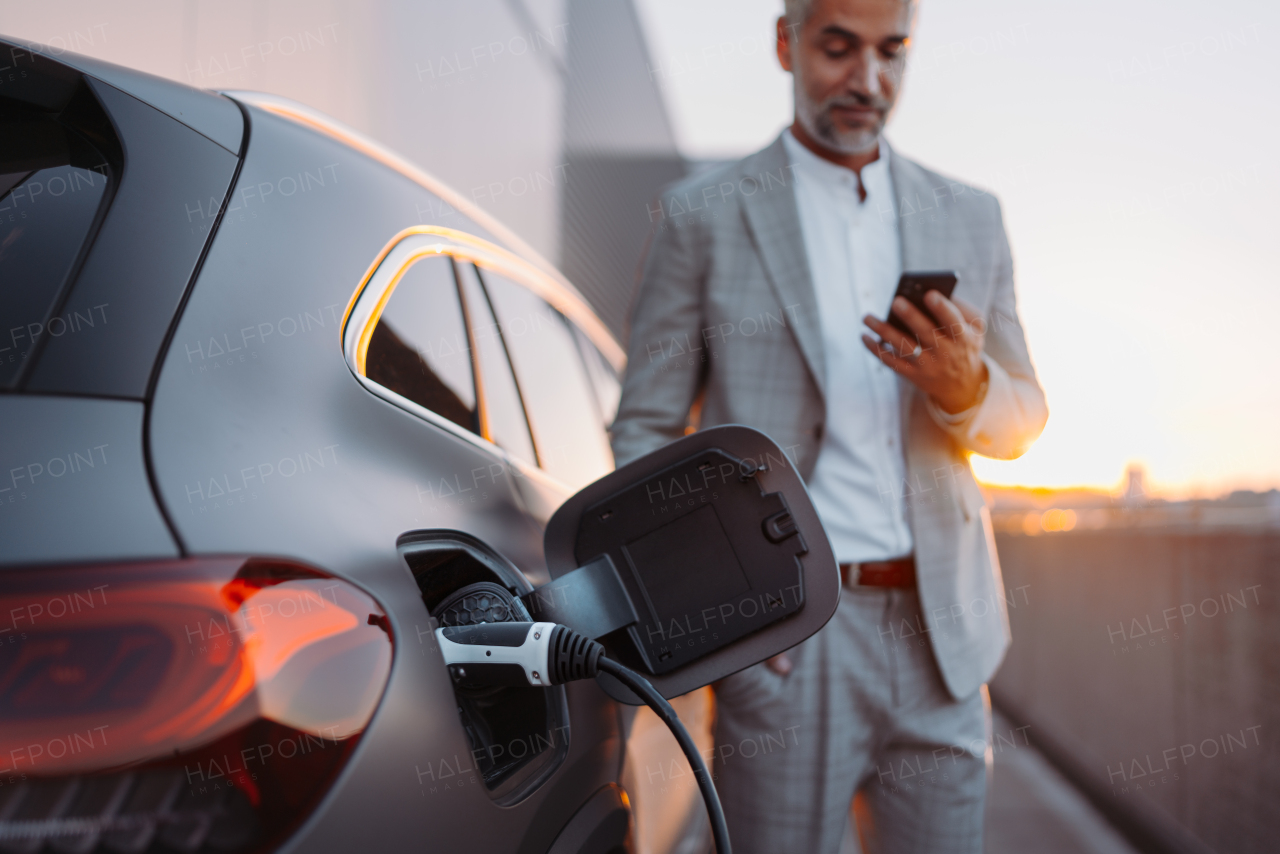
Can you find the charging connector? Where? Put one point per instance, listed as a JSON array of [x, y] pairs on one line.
[[546, 654], [527, 654]]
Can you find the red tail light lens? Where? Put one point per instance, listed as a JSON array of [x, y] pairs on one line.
[[194, 705]]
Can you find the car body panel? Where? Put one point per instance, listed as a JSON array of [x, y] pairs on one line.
[[73, 482]]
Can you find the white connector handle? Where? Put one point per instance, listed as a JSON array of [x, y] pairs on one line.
[[500, 643]]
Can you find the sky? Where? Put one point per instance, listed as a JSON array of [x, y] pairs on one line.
[[1131, 145]]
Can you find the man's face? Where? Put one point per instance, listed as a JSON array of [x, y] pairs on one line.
[[847, 61]]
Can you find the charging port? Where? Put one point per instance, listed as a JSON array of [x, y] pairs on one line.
[[518, 735]]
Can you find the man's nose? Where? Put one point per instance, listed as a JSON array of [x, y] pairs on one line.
[[865, 78]]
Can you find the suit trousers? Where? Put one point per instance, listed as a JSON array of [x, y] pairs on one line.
[[863, 709]]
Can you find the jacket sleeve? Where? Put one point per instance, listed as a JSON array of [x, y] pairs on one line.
[[1013, 413], [661, 384]]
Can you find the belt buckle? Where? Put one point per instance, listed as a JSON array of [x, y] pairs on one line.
[[849, 573]]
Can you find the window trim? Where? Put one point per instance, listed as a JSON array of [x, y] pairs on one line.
[[477, 375], [421, 241], [519, 467], [371, 296]]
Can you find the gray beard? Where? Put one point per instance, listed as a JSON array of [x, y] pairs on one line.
[[816, 120]]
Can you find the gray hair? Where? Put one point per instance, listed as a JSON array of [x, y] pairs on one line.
[[797, 11]]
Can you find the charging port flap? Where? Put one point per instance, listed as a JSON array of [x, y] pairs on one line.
[[591, 600], [719, 551]]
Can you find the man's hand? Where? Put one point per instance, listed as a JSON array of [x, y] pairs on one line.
[[947, 364]]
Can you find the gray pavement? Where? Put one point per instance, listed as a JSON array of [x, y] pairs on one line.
[[1032, 808]]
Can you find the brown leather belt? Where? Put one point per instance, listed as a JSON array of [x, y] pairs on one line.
[[900, 572]]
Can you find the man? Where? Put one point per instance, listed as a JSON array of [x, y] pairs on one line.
[[758, 305]]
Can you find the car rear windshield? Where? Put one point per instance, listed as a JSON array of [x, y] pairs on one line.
[[52, 184]]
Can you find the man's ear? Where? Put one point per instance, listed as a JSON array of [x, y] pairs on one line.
[[785, 39]]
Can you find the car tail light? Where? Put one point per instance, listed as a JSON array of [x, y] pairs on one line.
[[189, 705]]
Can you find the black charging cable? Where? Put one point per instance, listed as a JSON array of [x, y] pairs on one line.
[[663, 710], [548, 654]]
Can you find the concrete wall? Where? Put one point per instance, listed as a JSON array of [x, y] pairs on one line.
[[1151, 660], [620, 149], [543, 112]]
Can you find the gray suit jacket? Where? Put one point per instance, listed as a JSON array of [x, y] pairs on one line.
[[725, 330]]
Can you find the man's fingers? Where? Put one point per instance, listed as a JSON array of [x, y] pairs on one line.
[[780, 664], [970, 315], [970, 312], [886, 355], [948, 313], [901, 342], [921, 325]]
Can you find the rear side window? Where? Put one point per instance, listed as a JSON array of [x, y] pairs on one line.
[[505, 420], [420, 348], [52, 184], [559, 397]]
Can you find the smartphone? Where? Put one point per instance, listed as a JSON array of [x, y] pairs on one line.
[[913, 287]]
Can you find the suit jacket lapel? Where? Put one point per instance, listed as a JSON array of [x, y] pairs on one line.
[[921, 231], [920, 234], [773, 222]]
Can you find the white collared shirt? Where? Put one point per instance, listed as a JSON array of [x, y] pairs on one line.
[[855, 260]]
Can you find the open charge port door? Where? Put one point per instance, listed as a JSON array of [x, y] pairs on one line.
[[699, 559]]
